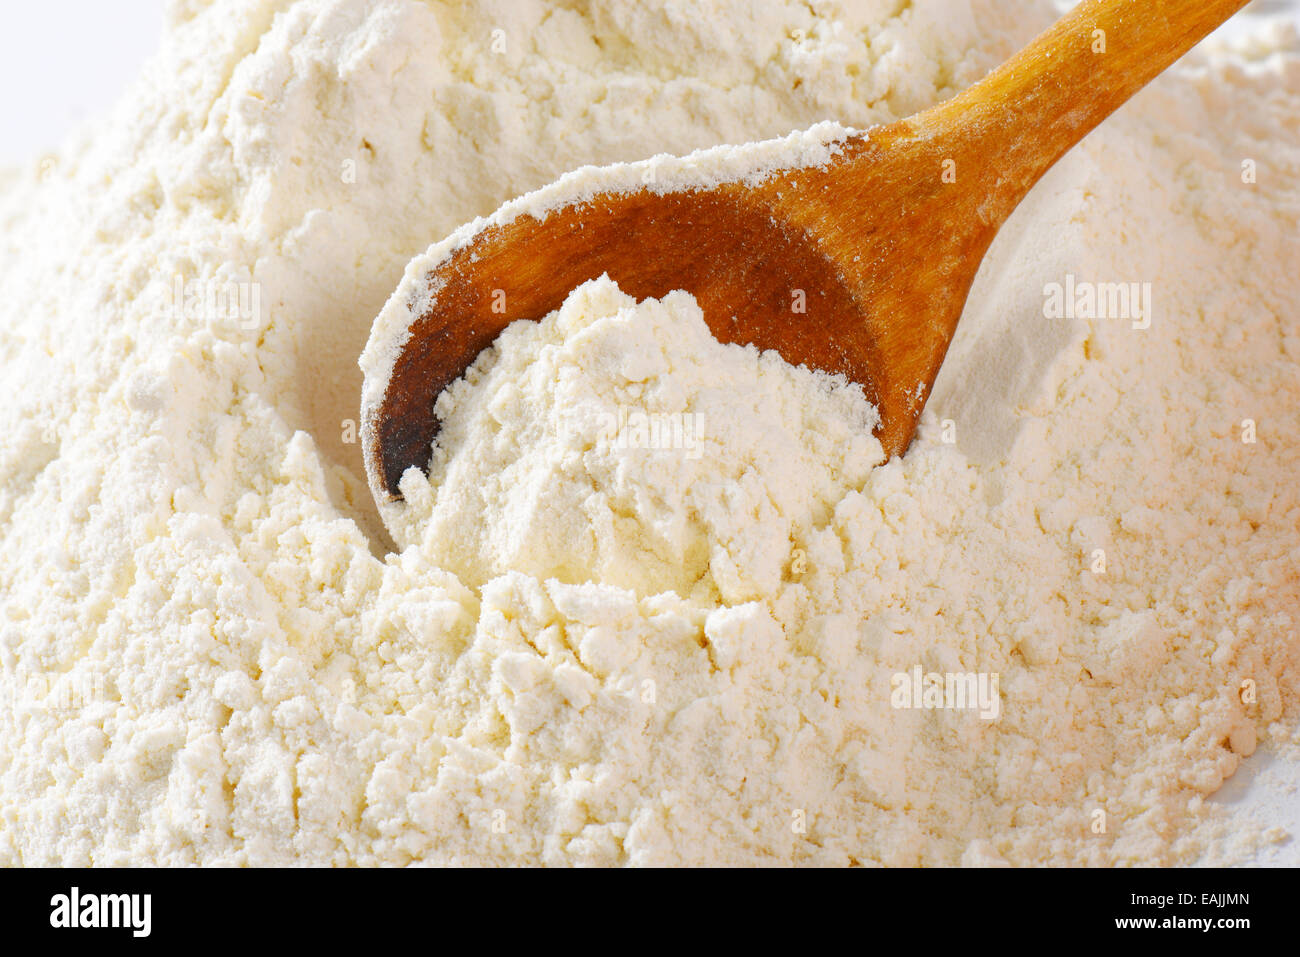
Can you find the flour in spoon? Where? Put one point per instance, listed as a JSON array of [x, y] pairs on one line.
[[619, 442]]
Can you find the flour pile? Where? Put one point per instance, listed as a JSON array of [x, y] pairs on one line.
[[652, 603]]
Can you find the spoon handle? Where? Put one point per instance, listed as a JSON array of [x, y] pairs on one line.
[[1029, 112]]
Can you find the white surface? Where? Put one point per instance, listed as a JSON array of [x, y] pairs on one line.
[[63, 61], [1266, 790]]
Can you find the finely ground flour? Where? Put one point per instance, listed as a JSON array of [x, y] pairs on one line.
[[652, 602]]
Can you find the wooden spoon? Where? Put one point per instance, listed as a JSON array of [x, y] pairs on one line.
[[884, 241]]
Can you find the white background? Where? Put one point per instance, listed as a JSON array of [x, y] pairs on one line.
[[62, 61]]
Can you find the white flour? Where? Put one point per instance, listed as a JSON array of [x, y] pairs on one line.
[[601, 657], [621, 443]]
